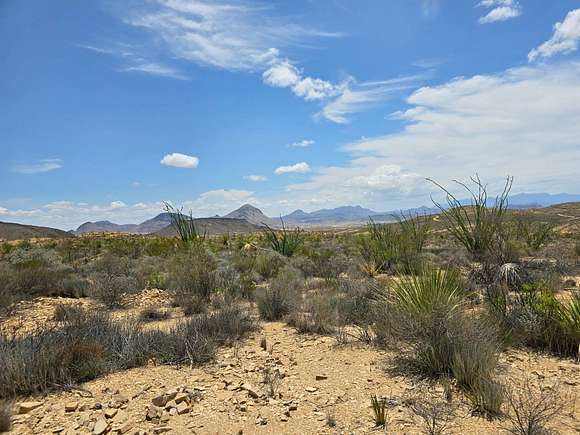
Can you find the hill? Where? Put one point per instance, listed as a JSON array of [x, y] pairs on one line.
[[12, 231], [147, 227], [252, 215], [212, 226]]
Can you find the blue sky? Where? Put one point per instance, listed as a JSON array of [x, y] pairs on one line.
[[110, 107]]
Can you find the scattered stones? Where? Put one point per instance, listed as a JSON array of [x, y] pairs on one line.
[[251, 390], [183, 408], [26, 407]]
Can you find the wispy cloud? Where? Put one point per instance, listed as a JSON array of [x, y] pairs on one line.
[[501, 10], [357, 97], [179, 160], [256, 178], [565, 39], [298, 168], [305, 143], [156, 69], [40, 166]]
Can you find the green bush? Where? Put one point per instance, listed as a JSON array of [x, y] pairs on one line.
[[268, 264], [109, 288]]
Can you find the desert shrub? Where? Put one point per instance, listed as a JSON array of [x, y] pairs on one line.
[[91, 345], [539, 320], [577, 249], [6, 285], [486, 398], [233, 284], [243, 262], [531, 409], [316, 315], [36, 271], [150, 272], [268, 264], [282, 296], [5, 416], [479, 227], [355, 306], [109, 288], [160, 246], [67, 313], [151, 314], [534, 234], [324, 259], [284, 241], [435, 414], [191, 278]]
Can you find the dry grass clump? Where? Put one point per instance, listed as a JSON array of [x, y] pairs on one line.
[[435, 414], [531, 409], [151, 314], [86, 347], [282, 296], [5, 416], [380, 411]]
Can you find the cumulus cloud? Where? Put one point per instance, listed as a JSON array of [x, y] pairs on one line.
[[298, 168], [305, 143], [283, 74], [565, 39], [501, 10], [179, 160], [492, 124], [255, 178], [40, 166], [220, 201]]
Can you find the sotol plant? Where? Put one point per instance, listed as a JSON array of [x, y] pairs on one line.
[[284, 241], [184, 225]]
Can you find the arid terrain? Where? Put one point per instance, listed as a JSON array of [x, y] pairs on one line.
[[292, 332]]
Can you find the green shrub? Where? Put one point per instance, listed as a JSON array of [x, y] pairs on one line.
[[316, 315], [486, 398], [284, 241], [281, 297], [534, 234]]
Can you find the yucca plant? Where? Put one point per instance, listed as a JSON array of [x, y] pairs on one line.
[[379, 411], [184, 225], [284, 241], [478, 226]]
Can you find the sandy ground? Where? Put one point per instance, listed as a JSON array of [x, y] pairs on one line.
[[316, 381]]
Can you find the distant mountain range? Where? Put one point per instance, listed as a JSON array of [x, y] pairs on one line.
[[249, 218], [12, 231]]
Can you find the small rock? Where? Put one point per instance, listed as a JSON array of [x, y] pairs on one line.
[[101, 426], [251, 390], [321, 377], [183, 408], [160, 400], [311, 389], [162, 429], [181, 397], [71, 406], [110, 412], [26, 407]]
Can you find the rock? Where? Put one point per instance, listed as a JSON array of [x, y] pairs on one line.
[[162, 429], [292, 407], [110, 412], [321, 377], [171, 404], [101, 426], [311, 389], [121, 417], [71, 406], [153, 413], [183, 408], [160, 400], [181, 397], [26, 407], [124, 427], [570, 283]]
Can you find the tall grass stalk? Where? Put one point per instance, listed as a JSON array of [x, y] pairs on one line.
[[184, 225], [284, 241]]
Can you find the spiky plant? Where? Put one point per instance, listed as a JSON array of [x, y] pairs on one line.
[[284, 241], [184, 225], [477, 226], [379, 411]]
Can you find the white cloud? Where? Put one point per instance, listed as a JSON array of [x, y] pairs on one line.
[[231, 36], [502, 10], [219, 201], [298, 168], [523, 121], [179, 160], [156, 69], [357, 97], [301, 144], [565, 39], [255, 178], [38, 167], [115, 205], [282, 74]]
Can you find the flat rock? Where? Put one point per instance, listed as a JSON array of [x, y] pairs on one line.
[[101, 426], [26, 407]]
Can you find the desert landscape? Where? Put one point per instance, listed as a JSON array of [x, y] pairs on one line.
[[462, 321]]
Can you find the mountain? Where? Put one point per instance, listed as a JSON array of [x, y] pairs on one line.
[[252, 215], [149, 226], [12, 231], [345, 214], [155, 224], [212, 226], [542, 199]]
